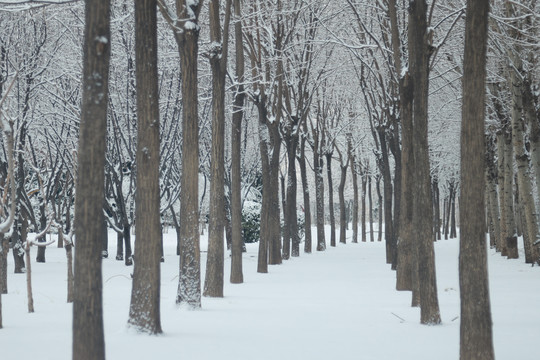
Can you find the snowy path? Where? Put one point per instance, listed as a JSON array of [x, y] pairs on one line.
[[339, 304]]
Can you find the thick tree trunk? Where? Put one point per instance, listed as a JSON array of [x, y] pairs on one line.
[[291, 221], [88, 336], [476, 342], [189, 281], [522, 160], [387, 194], [144, 310], [422, 206], [286, 249]]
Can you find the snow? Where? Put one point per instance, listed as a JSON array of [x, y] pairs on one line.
[[337, 304]]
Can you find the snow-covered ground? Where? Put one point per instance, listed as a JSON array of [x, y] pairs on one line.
[[337, 304]]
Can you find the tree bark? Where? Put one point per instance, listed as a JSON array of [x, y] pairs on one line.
[[342, 210], [144, 311], [422, 207], [237, 276], [189, 281], [332, 216], [354, 175], [476, 342], [88, 336], [305, 193], [213, 284]]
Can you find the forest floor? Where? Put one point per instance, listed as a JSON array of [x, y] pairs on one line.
[[337, 304]]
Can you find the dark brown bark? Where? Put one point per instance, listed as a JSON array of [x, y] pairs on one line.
[[370, 198], [319, 197], [189, 284], [144, 311], [363, 205], [88, 337], [344, 164], [213, 283], [422, 206], [332, 216], [476, 342], [354, 175], [237, 276], [305, 193]]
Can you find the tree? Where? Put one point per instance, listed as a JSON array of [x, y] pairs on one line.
[[213, 284], [88, 337], [475, 327], [144, 312], [422, 207], [186, 31], [236, 138]]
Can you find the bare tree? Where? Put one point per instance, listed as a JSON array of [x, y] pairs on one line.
[[213, 283], [476, 340], [144, 311], [186, 31], [88, 336]]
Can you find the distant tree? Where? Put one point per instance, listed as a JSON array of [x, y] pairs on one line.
[[218, 56], [144, 312], [476, 339], [88, 336]]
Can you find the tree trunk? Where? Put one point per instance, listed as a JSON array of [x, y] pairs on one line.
[[331, 199], [522, 158], [319, 198], [511, 236], [453, 227], [88, 336], [144, 310], [387, 194], [354, 176], [370, 197], [342, 211], [380, 207], [476, 342], [213, 284], [305, 192], [363, 204], [286, 235], [422, 207], [40, 257], [291, 221], [189, 280], [237, 276]]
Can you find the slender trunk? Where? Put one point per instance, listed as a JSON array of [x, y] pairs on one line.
[[354, 176], [342, 211], [453, 227], [370, 197], [363, 211], [331, 199], [292, 218], [237, 276], [319, 198], [286, 235], [380, 207], [305, 192], [29, 293]]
